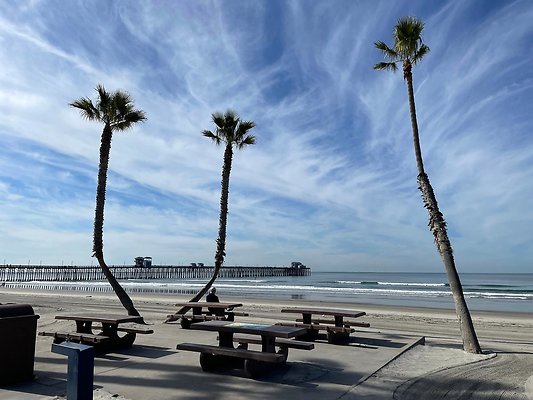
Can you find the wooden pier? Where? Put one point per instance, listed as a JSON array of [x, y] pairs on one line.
[[49, 273]]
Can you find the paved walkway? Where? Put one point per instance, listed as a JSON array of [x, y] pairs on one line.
[[153, 369], [435, 373]]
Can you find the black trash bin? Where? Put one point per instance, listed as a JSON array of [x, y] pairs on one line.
[[18, 331]]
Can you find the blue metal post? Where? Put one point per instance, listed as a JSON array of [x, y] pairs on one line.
[[80, 371]]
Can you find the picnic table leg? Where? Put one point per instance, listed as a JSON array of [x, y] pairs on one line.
[[84, 327], [110, 330], [334, 337], [225, 339], [212, 362], [268, 345], [312, 334], [185, 323], [197, 311], [253, 368], [230, 316]]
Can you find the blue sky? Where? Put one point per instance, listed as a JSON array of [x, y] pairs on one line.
[[331, 181]]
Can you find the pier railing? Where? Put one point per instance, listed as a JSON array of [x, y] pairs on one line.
[[28, 273]]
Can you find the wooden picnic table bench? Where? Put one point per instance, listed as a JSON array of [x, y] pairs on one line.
[[337, 328], [225, 356], [108, 325], [206, 311]]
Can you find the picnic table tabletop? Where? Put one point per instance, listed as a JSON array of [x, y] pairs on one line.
[[196, 304], [103, 318], [250, 328], [324, 311]]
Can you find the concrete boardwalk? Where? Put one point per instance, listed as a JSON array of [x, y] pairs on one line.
[[153, 369]]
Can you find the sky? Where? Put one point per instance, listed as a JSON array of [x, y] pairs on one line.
[[331, 181]]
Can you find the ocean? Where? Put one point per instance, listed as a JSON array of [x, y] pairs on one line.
[[488, 292]]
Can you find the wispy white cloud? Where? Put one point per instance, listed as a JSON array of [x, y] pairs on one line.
[[332, 179]]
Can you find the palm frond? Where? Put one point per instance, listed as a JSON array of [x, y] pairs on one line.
[[390, 66], [422, 51], [408, 28], [87, 109], [122, 102], [231, 121], [230, 116], [121, 113], [387, 51], [218, 119], [408, 37], [212, 136], [247, 140], [128, 120], [242, 130], [104, 100]]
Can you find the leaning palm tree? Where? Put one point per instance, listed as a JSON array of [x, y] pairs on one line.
[[115, 110], [231, 131], [409, 50]]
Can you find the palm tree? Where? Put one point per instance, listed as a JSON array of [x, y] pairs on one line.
[[115, 110], [231, 131], [409, 50]]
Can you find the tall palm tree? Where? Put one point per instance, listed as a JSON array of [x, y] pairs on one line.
[[233, 132], [116, 111], [409, 50]]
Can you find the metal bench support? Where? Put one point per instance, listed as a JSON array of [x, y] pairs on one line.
[[80, 371]]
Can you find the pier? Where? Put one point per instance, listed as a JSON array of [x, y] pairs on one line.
[[49, 273]]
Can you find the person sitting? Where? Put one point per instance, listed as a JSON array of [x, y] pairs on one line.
[[213, 298]]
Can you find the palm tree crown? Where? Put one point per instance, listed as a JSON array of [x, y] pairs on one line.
[[231, 130], [115, 109], [408, 46]]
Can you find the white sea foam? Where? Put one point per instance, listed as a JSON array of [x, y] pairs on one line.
[[393, 283], [235, 286]]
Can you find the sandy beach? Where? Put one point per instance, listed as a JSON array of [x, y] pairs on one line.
[[380, 362]]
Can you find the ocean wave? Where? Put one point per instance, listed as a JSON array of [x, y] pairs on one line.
[[393, 283], [246, 287]]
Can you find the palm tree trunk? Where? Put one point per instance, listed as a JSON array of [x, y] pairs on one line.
[[98, 244], [222, 223], [119, 291], [437, 225]]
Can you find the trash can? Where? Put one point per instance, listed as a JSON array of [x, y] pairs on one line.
[[18, 331]]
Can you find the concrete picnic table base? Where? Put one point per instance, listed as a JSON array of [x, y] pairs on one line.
[[333, 337], [252, 368], [227, 357], [108, 330]]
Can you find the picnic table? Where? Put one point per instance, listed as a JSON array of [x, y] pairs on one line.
[[109, 325], [337, 328], [205, 311], [255, 363]]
